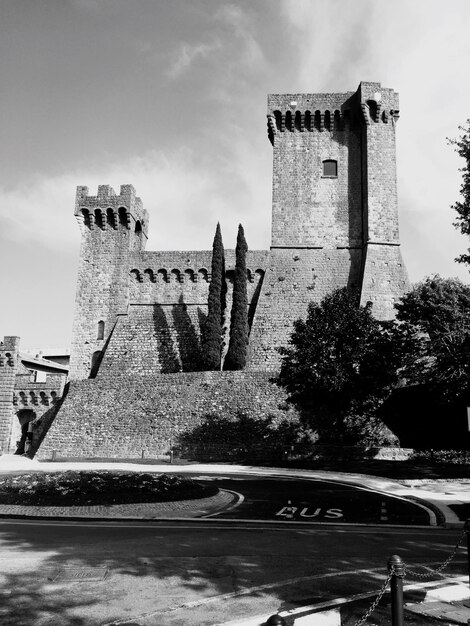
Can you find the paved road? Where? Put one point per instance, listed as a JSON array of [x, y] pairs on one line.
[[317, 501], [205, 572]]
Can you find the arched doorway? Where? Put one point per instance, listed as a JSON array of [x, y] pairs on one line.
[[25, 418]]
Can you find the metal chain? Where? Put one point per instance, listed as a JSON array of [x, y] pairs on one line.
[[439, 569], [374, 604]]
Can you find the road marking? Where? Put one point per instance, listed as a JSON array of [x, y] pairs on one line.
[[383, 512], [240, 497], [288, 512], [344, 483], [236, 525]]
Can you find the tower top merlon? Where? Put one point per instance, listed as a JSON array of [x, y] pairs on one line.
[[378, 102], [106, 198], [386, 100], [308, 102], [374, 91]]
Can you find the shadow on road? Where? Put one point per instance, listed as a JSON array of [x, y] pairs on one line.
[[162, 568]]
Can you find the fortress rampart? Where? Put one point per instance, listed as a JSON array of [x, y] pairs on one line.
[[139, 314]]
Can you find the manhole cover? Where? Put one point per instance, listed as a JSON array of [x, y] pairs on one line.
[[74, 574]]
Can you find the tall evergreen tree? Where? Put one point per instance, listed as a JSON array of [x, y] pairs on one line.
[[238, 344], [462, 147], [212, 333]]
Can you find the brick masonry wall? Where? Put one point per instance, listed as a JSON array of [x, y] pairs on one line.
[[9, 363], [310, 209], [34, 398], [112, 227], [168, 305], [293, 279], [184, 277], [135, 413], [384, 279]]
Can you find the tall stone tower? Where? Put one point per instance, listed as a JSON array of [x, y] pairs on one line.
[[9, 360], [113, 228], [335, 214]]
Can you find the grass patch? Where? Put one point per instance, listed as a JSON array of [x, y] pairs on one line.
[[75, 488]]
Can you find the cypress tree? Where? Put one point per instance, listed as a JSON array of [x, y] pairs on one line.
[[238, 344], [212, 334]]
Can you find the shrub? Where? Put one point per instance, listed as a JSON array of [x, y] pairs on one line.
[[74, 488]]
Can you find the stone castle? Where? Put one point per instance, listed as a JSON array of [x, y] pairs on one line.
[[133, 380]]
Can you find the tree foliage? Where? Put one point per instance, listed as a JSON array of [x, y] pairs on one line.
[[437, 310], [212, 334], [239, 331], [340, 367], [462, 147], [236, 434]]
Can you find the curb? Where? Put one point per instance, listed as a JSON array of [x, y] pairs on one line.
[[328, 614], [195, 509]]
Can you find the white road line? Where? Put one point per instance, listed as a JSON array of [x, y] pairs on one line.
[[242, 525], [240, 497]]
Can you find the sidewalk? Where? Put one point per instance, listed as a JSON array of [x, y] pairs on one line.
[[443, 601]]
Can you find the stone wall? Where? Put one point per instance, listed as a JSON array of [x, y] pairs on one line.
[[9, 363], [384, 278], [32, 401], [293, 279], [328, 231], [112, 228], [184, 277], [122, 418], [310, 209]]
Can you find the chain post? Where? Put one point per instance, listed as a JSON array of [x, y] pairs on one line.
[[275, 620], [396, 568]]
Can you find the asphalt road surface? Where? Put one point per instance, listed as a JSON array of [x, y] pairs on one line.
[[317, 501], [205, 572]]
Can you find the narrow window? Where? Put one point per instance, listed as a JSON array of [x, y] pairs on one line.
[[330, 168], [96, 358], [100, 330]]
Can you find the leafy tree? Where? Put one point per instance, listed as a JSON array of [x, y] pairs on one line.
[[340, 367], [238, 344], [235, 435], [212, 332], [462, 147], [438, 311]]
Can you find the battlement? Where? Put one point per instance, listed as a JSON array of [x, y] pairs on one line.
[[331, 111], [10, 343], [108, 209]]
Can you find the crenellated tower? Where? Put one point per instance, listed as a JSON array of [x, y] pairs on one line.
[[334, 208], [9, 362], [112, 228]]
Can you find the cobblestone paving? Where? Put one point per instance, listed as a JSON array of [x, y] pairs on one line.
[[146, 510]]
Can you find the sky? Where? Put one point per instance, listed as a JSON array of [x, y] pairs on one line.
[[170, 96]]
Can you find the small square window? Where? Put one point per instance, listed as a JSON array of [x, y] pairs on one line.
[[41, 377], [330, 168]]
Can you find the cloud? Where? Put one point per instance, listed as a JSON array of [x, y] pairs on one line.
[[231, 44], [185, 194], [242, 26], [188, 54]]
